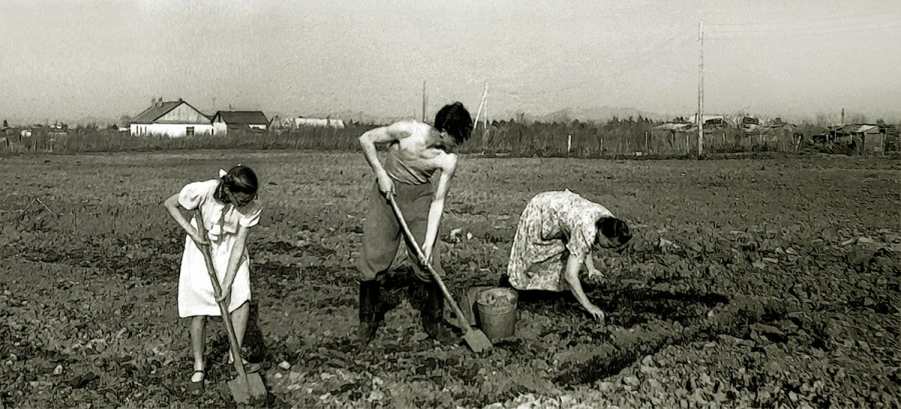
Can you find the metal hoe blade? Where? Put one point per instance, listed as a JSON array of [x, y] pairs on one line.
[[249, 390], [246, 388], [476, 339]]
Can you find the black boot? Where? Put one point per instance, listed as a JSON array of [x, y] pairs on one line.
[[369, 300], [432, 319]]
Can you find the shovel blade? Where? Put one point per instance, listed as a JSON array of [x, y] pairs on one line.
[[249, 390], [477, 341], [239, 390]]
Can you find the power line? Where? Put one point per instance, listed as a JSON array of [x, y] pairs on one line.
[[810, 27], [645, 57], [816, 26], [802, 27], [881, 17], [615, 74], [793, 34]]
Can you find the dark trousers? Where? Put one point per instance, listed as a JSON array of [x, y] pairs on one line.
[[382, 233]]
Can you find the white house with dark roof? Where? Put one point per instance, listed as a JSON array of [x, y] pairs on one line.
[[174, 119], [225, 121]]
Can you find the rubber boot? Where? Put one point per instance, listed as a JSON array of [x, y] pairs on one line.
[[432, 316], [504, 282], [369, 299]]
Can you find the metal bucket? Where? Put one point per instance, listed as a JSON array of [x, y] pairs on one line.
[[497, 312]]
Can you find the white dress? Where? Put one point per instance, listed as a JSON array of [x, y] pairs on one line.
[[195, 291]]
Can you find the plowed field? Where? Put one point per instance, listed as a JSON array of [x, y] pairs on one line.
[[750, 283]]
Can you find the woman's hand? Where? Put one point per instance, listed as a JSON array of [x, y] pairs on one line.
[[571, 276], [595, 274], [595, 312]]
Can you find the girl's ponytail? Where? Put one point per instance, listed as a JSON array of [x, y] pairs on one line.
[[226, 181], [241, 179], [238, 179]]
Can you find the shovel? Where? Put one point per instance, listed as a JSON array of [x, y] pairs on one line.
[[476, 339], [246, 387]]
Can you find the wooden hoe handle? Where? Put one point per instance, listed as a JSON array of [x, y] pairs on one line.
[[422, 261], [223, 306]]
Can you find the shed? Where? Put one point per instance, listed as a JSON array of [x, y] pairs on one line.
[[225, 121]]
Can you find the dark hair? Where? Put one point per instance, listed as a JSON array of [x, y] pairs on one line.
[[614, 229], [239, 179], [455, 120]]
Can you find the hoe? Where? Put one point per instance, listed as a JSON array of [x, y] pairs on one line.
[[246, 388], [476, 339]]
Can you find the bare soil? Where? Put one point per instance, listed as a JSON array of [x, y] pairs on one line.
[[750, 283]]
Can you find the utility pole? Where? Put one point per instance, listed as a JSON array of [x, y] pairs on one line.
[[481, 106], [424, 101], [701, 91], [485, 124]]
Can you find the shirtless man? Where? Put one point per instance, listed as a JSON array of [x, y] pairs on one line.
[[415, 152]]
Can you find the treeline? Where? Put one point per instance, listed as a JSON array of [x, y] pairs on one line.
[[627, 137], [614, 138]]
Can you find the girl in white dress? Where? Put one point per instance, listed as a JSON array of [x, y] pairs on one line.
[[229, 211]]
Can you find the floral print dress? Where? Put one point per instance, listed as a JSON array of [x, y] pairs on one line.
[[552, 226]]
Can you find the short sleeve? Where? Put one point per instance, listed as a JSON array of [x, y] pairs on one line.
[[192, 195], [252, 217], [581, 239]]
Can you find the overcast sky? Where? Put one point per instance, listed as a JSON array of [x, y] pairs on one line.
[[68, 59]]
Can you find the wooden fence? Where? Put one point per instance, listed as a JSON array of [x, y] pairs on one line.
[[613, 139]]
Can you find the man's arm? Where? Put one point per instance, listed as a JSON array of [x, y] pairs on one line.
[[384, 134], [447, 163]]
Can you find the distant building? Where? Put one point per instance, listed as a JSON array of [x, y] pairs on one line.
[[862, 138], [225, 121], [174, 119], [673, 126], [712, 120], [294, 123], [749, 124]]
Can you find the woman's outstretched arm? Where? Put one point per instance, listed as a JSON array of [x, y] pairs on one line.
[[571, 276]]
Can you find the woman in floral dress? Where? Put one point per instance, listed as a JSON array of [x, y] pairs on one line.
[[554, 239]]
